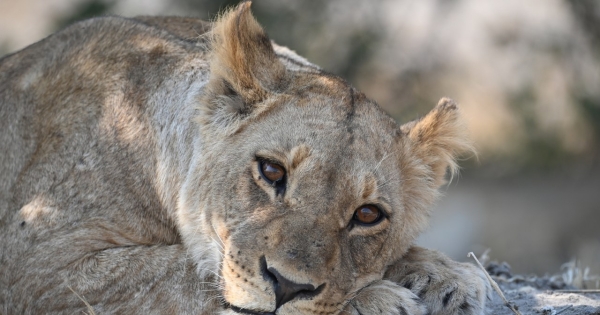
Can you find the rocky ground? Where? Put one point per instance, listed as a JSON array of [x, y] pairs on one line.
[[548, 295]]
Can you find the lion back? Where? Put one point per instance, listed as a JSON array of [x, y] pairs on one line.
[[80, 135]]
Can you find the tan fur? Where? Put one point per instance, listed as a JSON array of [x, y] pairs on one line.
[[130, 176]]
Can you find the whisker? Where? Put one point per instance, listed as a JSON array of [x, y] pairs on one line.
[[217, 234]]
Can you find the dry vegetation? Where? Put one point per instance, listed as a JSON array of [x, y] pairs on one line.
[[566, 293]]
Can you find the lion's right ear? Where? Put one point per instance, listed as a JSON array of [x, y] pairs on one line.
[[244, 69]]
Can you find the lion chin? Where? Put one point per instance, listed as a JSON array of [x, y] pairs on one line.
[[162, 165]]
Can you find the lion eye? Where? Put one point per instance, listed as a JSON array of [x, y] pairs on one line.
[[367, 215], [271, 172]]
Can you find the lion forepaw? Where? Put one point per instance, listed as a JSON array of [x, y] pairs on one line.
[[446, 287], [385, 297]]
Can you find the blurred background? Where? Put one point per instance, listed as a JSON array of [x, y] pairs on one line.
[[526, 74]]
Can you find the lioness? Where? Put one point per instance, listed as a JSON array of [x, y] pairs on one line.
[[172, 166]]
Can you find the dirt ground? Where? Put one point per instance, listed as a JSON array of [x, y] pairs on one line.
[[539, 295]]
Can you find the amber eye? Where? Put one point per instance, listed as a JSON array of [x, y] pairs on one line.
[[367, 215], [271, 172]]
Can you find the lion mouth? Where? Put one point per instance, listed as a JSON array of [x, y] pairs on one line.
[[240, 310]]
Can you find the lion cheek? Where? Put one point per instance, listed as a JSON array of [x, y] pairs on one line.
[[247, 297], [242, 285]]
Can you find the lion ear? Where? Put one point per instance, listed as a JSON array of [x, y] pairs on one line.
[[437, 139], [244, 68]]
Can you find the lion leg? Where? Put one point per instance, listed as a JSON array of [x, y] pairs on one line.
[[156, 279], [445, 287]]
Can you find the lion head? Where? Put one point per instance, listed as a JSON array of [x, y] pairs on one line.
[[302, 190]]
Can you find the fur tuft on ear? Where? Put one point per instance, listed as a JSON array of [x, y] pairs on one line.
[[438, 138], [243, 59], [244, 71]]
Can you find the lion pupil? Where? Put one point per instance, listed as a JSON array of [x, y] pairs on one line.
[[273, 172], [367, 214]]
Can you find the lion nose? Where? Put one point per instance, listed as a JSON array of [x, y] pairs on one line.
[[286, 290]]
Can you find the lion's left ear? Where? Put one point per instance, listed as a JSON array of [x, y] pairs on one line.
[[244, 68], [437, 139]]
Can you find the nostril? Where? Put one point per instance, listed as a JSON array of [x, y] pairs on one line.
[[267, 275], [286, 290]]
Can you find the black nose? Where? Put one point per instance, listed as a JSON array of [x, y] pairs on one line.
[[286, 290]]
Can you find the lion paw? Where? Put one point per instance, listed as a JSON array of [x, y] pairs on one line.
[[385, 297], [444, 286]]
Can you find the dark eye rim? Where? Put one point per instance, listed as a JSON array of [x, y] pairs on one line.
[[382, 216], [280, 184]]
